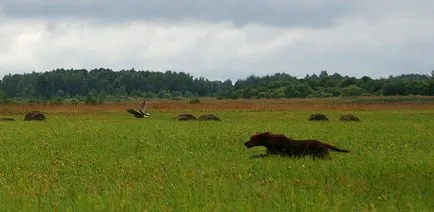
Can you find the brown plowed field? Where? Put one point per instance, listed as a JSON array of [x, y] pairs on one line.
[[231, 105]]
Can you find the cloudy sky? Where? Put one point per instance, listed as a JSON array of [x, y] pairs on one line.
[[219, 39]]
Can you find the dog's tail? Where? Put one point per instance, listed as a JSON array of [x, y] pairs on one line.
[[335, 148]]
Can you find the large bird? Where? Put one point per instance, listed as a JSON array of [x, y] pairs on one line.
[[141, 113]]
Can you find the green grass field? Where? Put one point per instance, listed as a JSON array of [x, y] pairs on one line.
[[113, 162]]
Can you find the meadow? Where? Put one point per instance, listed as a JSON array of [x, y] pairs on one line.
[[99, 158]]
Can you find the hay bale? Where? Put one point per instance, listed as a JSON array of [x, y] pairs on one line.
[[34, 115], [7, 119], [318, 117], [29, 115], [185, 117], [349, 117], [208, 117]]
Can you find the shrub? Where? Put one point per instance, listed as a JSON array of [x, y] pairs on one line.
[[353, 90], [194, 101], [90, 100]]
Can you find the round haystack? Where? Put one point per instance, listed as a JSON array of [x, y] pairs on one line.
[[7, 119], [34, 115], [208, 117], [185, 117], [349, 117], [29, 115], [318, 117]]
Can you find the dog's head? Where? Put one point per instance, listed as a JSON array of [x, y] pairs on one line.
[[257, 139]]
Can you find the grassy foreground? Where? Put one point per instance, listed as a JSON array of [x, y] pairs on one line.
[[110, 161]]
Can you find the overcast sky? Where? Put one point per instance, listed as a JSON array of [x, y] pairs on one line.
[[219, 39]]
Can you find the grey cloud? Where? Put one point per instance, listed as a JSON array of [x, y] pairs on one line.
[[316, 13], [370, 38]]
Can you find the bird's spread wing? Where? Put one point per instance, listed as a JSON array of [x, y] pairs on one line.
[[134, 112], [143, 108]]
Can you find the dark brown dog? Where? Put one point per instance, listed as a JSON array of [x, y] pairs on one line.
[[283, 145]]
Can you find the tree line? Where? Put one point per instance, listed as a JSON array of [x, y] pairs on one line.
[[101, 84]]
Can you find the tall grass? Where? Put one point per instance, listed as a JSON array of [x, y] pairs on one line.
[[114, 162]]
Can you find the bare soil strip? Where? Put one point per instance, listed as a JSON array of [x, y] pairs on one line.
[[209, 105]]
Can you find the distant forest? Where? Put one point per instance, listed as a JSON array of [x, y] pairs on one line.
[[99, 85]]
